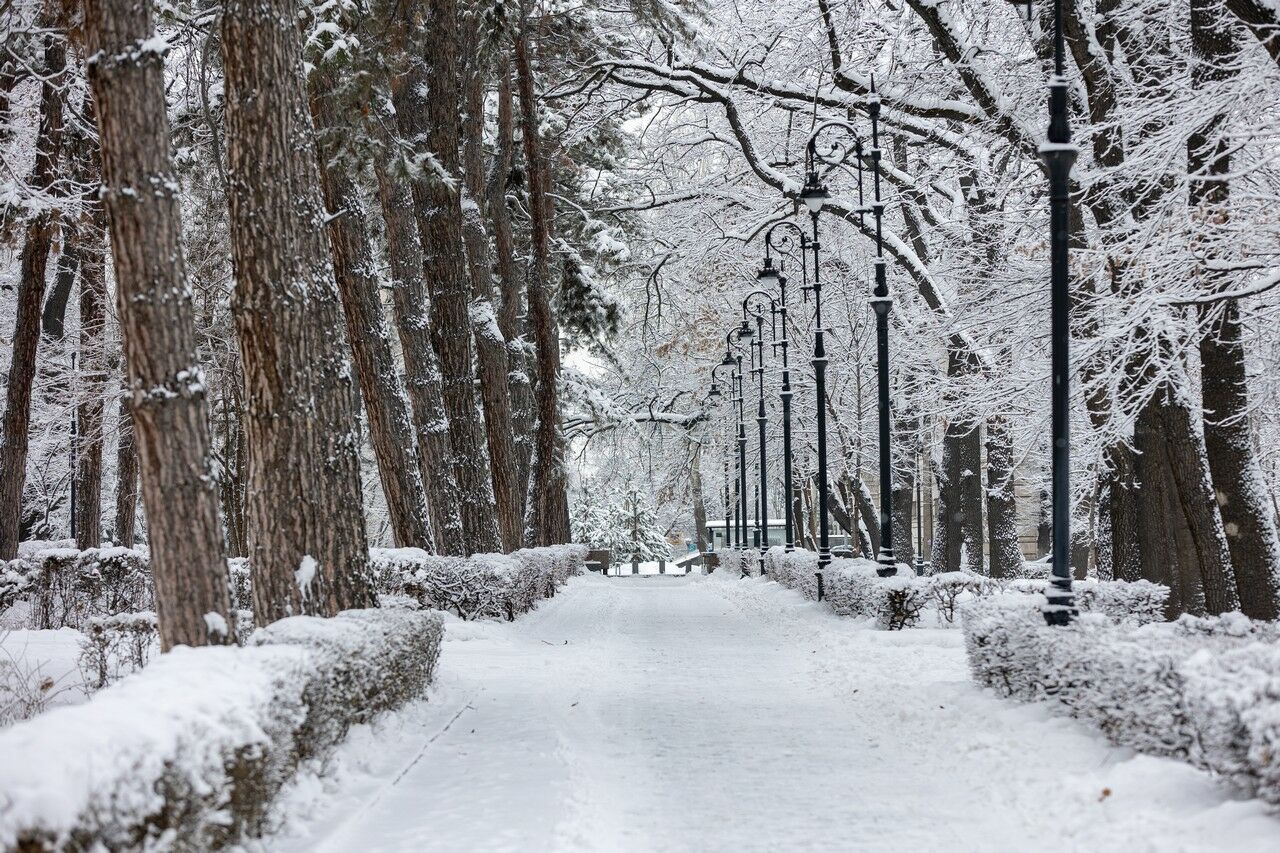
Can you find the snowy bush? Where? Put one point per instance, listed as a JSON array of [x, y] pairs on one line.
[[735, 562], [1205, 691], [66, 587], [796, 570], [189, 753], [483, 585], [1132, 602], [114, 646], [947, 588], [854, 588]]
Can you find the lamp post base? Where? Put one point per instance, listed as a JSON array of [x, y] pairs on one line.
[[888, 566]]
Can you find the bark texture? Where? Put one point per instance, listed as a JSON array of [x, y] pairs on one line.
[[385, 404], [34, 263], [154, 300], [491, 346], [1005, 559], [1241, 491], [126, 476], [547, 520], [93, 375], [304, 509], [412, 303], [433, 124]]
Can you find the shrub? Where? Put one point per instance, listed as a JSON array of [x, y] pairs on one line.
[[735, 562], [1205, 691], [66, 587], [189, 754], [796, 570], [114, 646], [855, 589]]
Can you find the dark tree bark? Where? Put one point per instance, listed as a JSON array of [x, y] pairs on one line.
[[547, 520], [14, 428], [126, 476], [153, 298], [385, 404], [1241, 491], [229, 421], [906, 431], [1181, 540], [511, 311], [959, 532], [1002, 507], [433, 124], [307, 541], [412, 302], [53, 317], [491, 346], [1262, 19], [696, 496], [93, 374]]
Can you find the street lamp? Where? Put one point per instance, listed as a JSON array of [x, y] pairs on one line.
[[1058, 155], [769, 277], [814, 194], [763, 299], [734, 365]]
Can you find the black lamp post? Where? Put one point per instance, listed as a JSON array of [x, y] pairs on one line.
[[1058, 155], [734, 364], [769, 277], [763, 298], [813, 195]]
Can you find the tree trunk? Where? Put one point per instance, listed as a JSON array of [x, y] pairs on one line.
[[432, 123], [93, 373], [390, 426], [1240, 488], [1002, 506], [906, 430], [1181, 540], [549, 499], [412, 303], [53, 317], [153, 298], [511, 312], [696, 496], [959, 532], [307, 542], [491, 346], [126, 476], [14, 428]]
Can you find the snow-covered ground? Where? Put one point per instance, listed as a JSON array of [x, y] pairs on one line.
[[709, 713]]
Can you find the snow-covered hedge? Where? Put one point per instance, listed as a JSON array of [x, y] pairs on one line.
[[796, 570], [66, 587], [1131, 602], [483, 585], [853, 588], [736, 562], [1203, 690], [189, 753]]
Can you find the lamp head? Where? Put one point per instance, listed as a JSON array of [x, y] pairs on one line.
[[728, 361], [745, 331], [715, 390], [768, 275], [814, 194]]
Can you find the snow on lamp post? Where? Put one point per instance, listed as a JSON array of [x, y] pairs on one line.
[[1059, 154], [813, 195]]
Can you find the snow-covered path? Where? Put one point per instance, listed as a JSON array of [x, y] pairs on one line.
[[648, 714]]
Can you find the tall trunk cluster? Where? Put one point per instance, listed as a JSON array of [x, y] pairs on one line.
[[385, 404], [14, 428], [547, 514], [491, 346], [307, 544], [1249, 522], [154, 300]]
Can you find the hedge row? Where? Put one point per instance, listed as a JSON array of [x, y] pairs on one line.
[[483, 585], [1206, 691], [853, 588], [188, 754], [68, 588]]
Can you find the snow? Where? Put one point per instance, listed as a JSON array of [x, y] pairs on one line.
[[711, 713], [305, 574]]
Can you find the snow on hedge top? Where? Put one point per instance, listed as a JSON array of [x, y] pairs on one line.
[[182, 711]]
